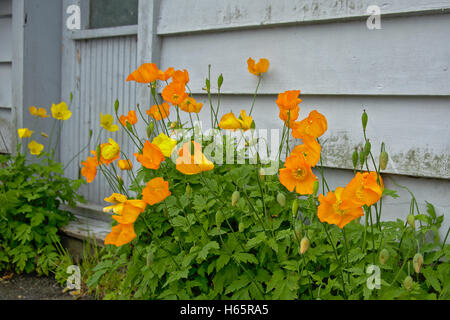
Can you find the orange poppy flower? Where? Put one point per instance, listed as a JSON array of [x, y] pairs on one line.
[[330, 209], [165, 75], [181, 77], [109, 152], [124, 164], [363, 189], [288, 100], [146, 73], [230, 122], [297, 174], [151, 156], [258, 68], [190, 105], [125, 211], [310, 150], [89, 170], [120, 235], [190, 164], [130, 118], [291, 115], [159, 112], [313, 126], [155, 191], [175, 93]]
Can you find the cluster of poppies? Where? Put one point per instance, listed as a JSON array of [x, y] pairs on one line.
[[59, 111]]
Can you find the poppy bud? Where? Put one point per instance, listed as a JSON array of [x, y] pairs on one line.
[[295, 207], [297, 232], [71, 98], [241, 227], [384, 256], [235, 198], [304, 245], [281, 199], [367, 148], [219, 218], [364, 120], [355, 158], [220, 81], [411, 221], [315, 187], [129, 127], [408, 283], [208, 85], [310, 233], [120, 181], [116, 105], [150, 257], [98, 151], [261, 174], [188, 190], [384, 158], [362, 158], [417, 262], [150, 129], [173, 124]]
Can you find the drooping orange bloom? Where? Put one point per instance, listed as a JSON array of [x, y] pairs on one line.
[[151, 156], [258, 68], [363, 189], [291, 115], [120, 235], [130, 118], [146, 73], [181, 76], [109, 152], [230, 122], [159, 112], [330, 209], [310, 150], [313, 126], [156, 191], [190, 105], [126, 211], [189, 164], [165, 75], [89, 170], [175, 93], [124, 164], [288, 100], [41, 112], [297, 174]]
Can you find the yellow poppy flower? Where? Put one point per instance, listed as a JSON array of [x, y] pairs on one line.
[[107, 122], [24, 133], [41, 112], [230, 122], [35, 148], [61, 111], [165, 144], [109, 151]]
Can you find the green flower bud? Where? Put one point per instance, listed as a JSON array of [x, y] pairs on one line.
[[220, 81], [310, 233], [188, 190], [219, 218], [411, 221], [364, 120], [297, 233], [355, 158], [362, 158], [367, 148], [235, 198], [295, 207], [304, 245], [384, 158], [408, 283], [241, 227], [99, 153], [129, 126], [150, 129], [281, 199], [116, 105], [384, 256], [315, 187], [417, 262]]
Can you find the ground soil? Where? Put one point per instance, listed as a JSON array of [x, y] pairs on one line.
[[32, 287]]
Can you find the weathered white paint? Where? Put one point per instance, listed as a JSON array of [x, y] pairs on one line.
[[5, 87], [5, 8], [334, 58], [190, 16], [5, 39], [103, 32]]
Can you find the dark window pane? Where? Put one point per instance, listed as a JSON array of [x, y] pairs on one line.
[[113, 13]]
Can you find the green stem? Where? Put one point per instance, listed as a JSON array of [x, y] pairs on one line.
[[254, 96]]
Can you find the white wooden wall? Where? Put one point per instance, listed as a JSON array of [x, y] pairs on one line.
[[399, 74], [6, 53]]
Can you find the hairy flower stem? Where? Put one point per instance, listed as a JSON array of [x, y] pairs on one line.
[[337, 259], [254, 96]]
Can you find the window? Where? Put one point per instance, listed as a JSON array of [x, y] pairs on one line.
[[112, 13]]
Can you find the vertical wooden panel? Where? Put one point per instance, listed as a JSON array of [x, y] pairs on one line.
[[102, 68]]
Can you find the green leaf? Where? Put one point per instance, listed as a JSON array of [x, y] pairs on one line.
[[222, 261], [37, 219], [245, 257], [237, 284], [431, 278], [205, 250], [390, 193]]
